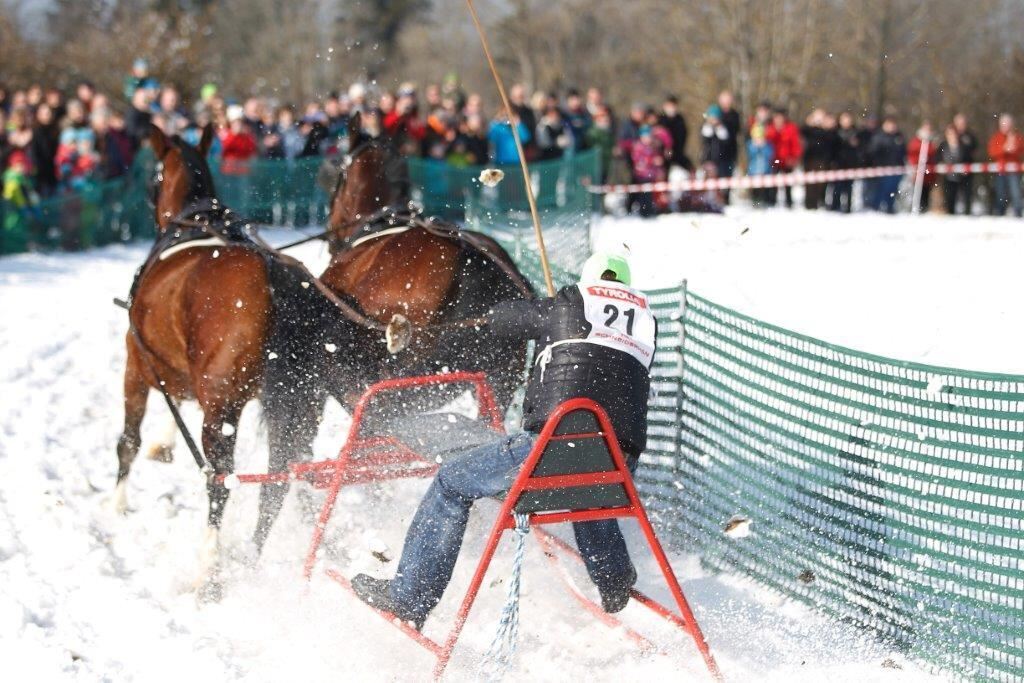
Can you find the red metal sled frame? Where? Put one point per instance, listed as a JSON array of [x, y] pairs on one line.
[[506, 520], [355, 466], [374, 458]]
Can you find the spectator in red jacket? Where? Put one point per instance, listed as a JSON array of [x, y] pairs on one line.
[[784, 137], [403, 123], [238, 145], [1007, 147], [924, 141]]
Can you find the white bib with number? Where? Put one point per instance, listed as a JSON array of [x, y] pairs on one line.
[[620, 318]]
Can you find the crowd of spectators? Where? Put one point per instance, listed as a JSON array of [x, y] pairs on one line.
[[52, 143]]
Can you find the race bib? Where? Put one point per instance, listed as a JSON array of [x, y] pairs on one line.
[[621, 319]]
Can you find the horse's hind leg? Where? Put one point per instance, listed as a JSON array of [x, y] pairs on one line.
[[219, 433], [136, 391], [292, 422]]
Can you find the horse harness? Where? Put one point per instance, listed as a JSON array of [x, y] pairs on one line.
[[392, 220]]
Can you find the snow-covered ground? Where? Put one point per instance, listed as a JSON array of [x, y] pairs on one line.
[[86, 595]]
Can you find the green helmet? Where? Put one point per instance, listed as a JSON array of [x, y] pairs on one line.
[[601, 262]]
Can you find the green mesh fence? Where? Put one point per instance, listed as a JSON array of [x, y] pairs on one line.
[[886, 493], [275, 191], [564, 206], [99, 213], [456, 191]]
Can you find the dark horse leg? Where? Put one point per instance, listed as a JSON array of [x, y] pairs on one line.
[[135, 393], [219, 447], [292, 422]]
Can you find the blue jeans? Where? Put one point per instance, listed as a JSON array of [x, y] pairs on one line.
[[886, 189], [434, 538], [1007, 191]]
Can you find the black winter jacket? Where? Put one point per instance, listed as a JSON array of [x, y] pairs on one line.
[[617, 381]]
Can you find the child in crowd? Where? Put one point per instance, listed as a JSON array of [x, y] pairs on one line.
[[760, 155]]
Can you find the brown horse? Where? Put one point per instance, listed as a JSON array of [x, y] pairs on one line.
[[215, 319], [428, 275]]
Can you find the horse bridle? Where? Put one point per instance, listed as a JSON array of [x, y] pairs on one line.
[[201, 199], [349, 158]]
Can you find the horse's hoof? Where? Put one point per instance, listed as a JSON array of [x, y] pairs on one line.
[[117, 503], [161, 452], [210, 592]]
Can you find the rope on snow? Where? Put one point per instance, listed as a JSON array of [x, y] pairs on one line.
[[498, 657]]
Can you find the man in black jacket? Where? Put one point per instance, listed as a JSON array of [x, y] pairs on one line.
[[596, 341], [672, 121], [969, 146]]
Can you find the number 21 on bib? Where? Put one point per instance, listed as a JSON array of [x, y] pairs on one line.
[[621, 319]]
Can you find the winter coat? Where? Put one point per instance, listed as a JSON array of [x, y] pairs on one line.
[[663, 137], [998, 152], [714, 144], [316, 140], [914, 157], [676, 127], [603, 140], [786, 142], [949, 154], [849, 148], [759, 158], [116, 154], [272, 150], [820, 146], [477, 149], [629, 132], [553, 136], [292, 141], [236, 151], [43, 150], [887, 149], [503, 144], [731, 120], [618, 381], [401, 127], [647, 161], [136, 125], [579, 123], [969, 142]]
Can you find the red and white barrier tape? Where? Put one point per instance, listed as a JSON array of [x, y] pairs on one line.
[[801, 178]]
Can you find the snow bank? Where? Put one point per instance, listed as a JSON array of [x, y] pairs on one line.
[[933, 289]]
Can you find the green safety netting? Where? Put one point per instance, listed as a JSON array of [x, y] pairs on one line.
[[96, 214], [886, 493], [564, 206]]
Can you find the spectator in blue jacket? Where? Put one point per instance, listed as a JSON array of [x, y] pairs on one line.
[[578, 119], [760, 154], [503, 144]]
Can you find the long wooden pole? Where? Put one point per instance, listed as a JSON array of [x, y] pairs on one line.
[[519, 148]]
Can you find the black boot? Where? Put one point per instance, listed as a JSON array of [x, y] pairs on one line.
[[615, 596], [376, 593]]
